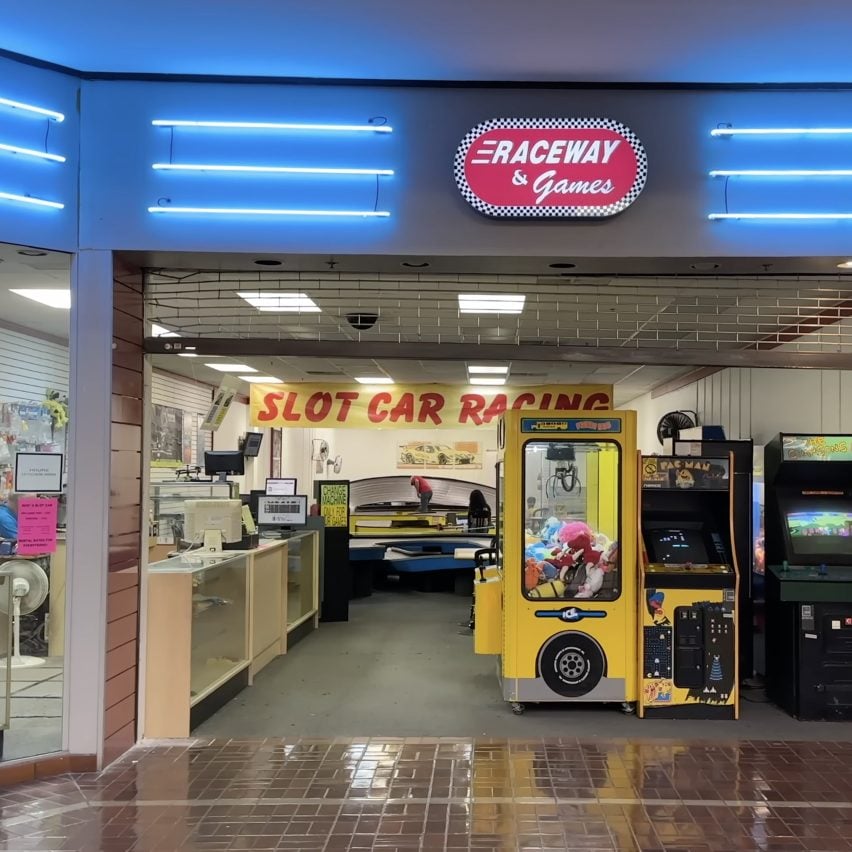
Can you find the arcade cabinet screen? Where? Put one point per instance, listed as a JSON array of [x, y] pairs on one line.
[[675, 546], [813, 533]]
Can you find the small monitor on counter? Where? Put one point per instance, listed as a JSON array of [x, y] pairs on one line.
[[281, 487], [283, 511]]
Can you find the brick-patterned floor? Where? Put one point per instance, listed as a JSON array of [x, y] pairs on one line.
[[403, 795]]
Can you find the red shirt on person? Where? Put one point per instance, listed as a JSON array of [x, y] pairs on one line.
[[421, 486]]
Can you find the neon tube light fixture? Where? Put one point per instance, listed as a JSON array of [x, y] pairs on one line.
[[47, 113], [276, 125], [266, 211], [781, 173], [782, 216], [286, 170], [30, 152], [29, 199], [780, 131]]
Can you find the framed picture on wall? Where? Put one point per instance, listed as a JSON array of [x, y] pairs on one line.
[[275, 453]]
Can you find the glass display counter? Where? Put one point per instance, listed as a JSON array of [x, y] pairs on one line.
[[215, 620], [302, 579]]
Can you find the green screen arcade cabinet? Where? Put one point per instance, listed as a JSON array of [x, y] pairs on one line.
[[809, 575]]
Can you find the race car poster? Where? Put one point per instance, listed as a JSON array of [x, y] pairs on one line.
[[426, 455]]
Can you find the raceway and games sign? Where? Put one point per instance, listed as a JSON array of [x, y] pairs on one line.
[[299, 405], [551, 167]]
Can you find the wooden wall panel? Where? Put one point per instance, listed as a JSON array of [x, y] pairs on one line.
[[127, 521]]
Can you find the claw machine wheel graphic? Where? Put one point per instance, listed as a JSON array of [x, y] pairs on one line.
[[572, 664]]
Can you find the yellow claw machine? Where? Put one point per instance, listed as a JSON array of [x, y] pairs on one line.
[[561, 614], [688, 637]]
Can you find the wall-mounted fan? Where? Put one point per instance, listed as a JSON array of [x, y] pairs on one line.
[[336, 465], [671, 424], [319, 453], [29, 591]]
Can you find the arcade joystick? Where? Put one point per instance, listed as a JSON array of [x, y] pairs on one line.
[[785, 567], [823, 570]]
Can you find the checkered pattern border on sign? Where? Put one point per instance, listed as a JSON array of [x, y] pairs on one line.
[[545, 211]]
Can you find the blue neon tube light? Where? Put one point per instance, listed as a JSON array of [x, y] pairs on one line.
[[276, 125], [47, 113], [781, 173], [780, 131], [30, 152], [782, 216], [29, 199], [289, 170], [266, 211]]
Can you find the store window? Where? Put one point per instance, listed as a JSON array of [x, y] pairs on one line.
[[34, 432], [571, 506]]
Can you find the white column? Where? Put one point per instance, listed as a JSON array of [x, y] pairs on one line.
[[89, 478]]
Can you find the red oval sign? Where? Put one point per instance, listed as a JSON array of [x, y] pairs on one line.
[[551, 167]]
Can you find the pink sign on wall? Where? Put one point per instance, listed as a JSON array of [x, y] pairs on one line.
[[37, 525]]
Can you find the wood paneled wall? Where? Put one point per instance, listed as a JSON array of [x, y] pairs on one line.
[[127, 526]]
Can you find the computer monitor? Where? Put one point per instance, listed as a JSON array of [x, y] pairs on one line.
[[823, 532], [254, 495], [224, 463], [212, 522], [251, 445], [281, 487], [677, 545], [289, 511]]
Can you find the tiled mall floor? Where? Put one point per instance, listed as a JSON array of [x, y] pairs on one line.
[[402, 795]]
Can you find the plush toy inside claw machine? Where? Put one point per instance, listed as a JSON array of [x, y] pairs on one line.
[[568, 581]]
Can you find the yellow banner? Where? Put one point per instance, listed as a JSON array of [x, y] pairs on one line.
[[412, 406]]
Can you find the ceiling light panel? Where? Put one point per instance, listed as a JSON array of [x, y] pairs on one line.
[[232, 368], [273, 301], [162, 331], [374, 380], [52, 298], [491, 303], [487, 381], [475, 369]]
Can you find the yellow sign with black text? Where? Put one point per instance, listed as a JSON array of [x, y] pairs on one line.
[[412, 406]]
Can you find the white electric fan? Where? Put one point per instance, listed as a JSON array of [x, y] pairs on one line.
[[319, 453], [29, 591], [336, 465]]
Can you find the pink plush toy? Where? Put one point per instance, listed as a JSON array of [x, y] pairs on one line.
[[595, 573], [575, 547]]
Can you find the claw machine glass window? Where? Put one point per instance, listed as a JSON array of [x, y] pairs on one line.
[[571, 520]]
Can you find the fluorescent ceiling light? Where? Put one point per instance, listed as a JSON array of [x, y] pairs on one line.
[[29, 199], [47, 113], [374, 380], [847, 264], [492, 381], [232, 368], [268, 380], [51, 298], [189, 355], [162, 331], [788, 216], [31, 152], [781, 173], [276, 125], [779, 131], [488, 303], [267, 211], [285, 170], [473, 369], [272, 301]]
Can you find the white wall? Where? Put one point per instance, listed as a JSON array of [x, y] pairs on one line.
[[373, 452], [228, 436], [29, 366], [755, 403]]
